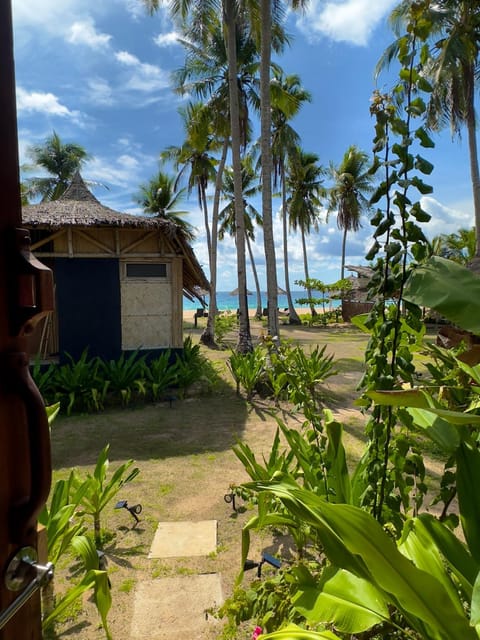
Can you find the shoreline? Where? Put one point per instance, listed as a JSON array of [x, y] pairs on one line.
[[188, 314]]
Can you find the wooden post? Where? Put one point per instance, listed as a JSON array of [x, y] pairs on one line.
[[24, 452]]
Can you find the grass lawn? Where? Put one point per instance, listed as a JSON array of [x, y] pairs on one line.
[[183, 450]]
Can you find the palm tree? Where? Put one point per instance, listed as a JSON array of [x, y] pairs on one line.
[[287, 98], [352, 181], [60, 160], [459, 246], [304, 184], [202, 15], [453, 69], [205, 74], [194, 157], [266, 17], [250, 187], [160, 197]]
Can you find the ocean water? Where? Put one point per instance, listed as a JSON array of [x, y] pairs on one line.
[[227, 302]]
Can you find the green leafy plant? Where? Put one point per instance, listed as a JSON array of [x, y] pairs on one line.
[[94, 579], [192, 367], [247, 369], [78, 386], [98, 490], [419, 576], [161, 374], [44, 378], [224, 323], [125, 376]]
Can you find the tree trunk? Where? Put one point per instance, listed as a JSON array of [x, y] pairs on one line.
[[474, 170], [258, 313], [292, 313], [307, 275], [344, 246], [202, 198], [266, 149], [208, 336], [244, 337]]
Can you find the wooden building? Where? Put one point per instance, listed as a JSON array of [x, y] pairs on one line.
[[119, 278], [356, 300]]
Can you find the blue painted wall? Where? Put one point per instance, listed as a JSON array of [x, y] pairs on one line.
[[88, 304]]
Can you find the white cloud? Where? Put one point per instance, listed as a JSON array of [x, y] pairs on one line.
[[145, 77], [84, 32], [126, 58], [100, 92], [345, 21], [167, 39], [445, 219], [50, 14], [39, 102]]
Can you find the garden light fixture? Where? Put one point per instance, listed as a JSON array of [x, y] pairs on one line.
[[134, 510]]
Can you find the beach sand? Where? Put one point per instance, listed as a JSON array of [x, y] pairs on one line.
[[188, 314]]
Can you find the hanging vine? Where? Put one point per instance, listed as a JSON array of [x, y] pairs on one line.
[[392, 464]]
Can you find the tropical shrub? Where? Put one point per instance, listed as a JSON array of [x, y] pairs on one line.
[[93, 578], [97, 490], [247, 369], [78, 385], [160, 375], [224, 323], [87, 384], [125, 377], [65, 531]]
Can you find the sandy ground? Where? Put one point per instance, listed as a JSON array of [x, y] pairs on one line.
[[188, 314]]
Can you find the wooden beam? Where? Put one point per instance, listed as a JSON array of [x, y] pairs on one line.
[[40, 243], [94, 241], [132, 245]]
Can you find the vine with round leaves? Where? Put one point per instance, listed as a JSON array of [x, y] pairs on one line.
[[393, 468]]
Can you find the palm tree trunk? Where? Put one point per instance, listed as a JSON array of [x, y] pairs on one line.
[[344, 246], [258, 313], [267, 164], [292, 313], [208, 336], [474, 170], [203, 203], [307, 276], [244, 337]]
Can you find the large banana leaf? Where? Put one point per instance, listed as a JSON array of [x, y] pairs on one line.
[[292, 632], [455, 553], [422, 400], [443, 433], [448, 288], [468, 484], [339, 478], [351, 604], [353, 540], [417, 544]]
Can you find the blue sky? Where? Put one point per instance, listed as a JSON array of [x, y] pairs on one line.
[[98, 73]]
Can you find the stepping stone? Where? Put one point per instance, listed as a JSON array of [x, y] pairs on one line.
[[180, 539], [174, 607]]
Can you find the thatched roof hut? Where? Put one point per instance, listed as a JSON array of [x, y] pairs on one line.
[[120, 278], [79, 208]]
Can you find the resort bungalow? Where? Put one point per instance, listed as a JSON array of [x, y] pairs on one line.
[[119, 278]]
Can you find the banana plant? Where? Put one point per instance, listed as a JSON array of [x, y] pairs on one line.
[[418, 577], [98, 490]]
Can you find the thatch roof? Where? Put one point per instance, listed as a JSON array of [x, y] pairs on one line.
[[78, 207]]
